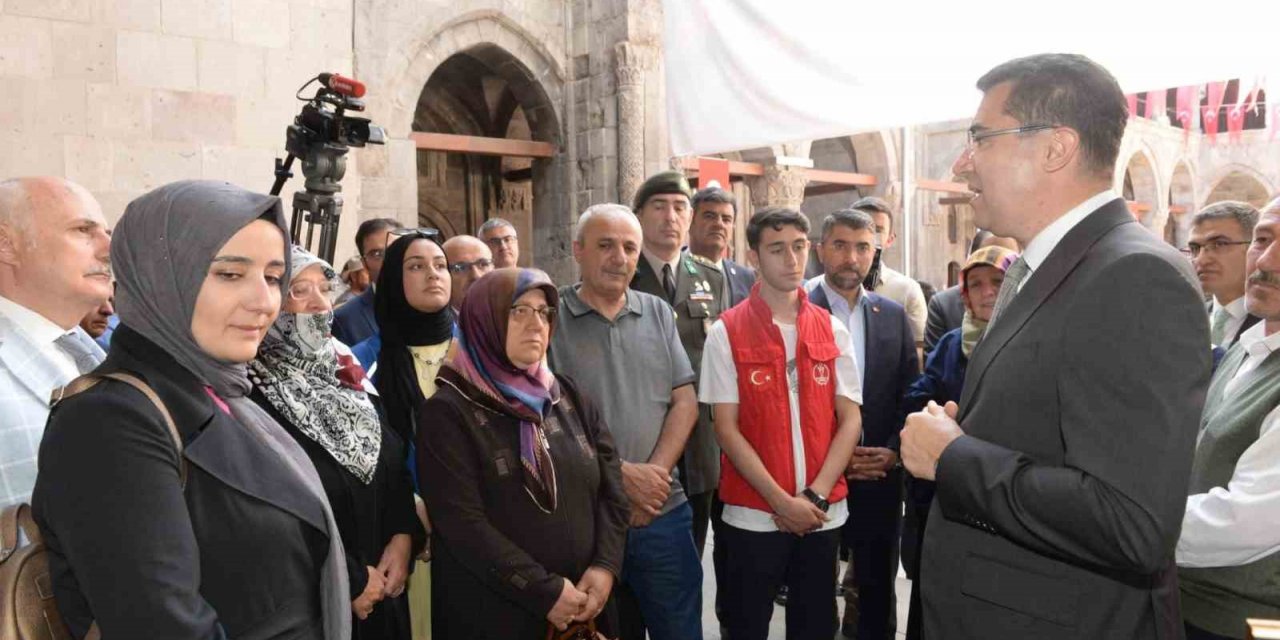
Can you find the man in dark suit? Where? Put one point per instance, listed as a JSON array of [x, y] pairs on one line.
[[353, 322], [714, 210], [884, 348], [1061, 474], [1220, 233]]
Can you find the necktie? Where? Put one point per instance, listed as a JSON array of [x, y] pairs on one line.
[[1218, 332], [1012, 279], [668, 283], [83, 355]]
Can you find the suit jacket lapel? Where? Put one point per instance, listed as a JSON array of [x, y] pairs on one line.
[[1037, 288], [819, 297], [870, 329]]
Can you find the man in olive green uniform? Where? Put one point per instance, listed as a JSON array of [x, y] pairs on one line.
[[693, 286]]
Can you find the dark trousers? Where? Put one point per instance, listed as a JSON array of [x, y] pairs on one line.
[[872, 535], [1196, 633], [757, 564], [661, 587], [701, 505], [919, 497], [718, 555]]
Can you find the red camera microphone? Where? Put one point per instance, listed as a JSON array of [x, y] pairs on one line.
[[342, 84]]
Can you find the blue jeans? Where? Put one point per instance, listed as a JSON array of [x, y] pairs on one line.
[[661, 586]]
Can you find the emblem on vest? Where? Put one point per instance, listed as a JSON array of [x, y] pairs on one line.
[[821, 374], [759, 377]]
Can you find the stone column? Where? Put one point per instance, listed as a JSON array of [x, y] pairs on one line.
[[780, 186], [631, 62]]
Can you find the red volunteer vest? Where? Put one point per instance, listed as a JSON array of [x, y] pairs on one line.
[[764, 408]]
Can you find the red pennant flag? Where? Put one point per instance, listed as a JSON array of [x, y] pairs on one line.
[[1209, 112], [1132, 99], [1157, 103], [1235, 117], [1185, 98]]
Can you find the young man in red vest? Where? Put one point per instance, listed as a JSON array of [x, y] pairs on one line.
[[781, 375]]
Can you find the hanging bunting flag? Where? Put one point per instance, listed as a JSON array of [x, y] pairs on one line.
[[1209, 112], [1236, 112], [1157, 104], [1258, 84], [1132, 100], [1186, 96]]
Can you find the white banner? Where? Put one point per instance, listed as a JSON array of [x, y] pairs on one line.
[[742, 74]]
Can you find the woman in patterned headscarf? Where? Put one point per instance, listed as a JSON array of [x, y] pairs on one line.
[[523, 481], [313, 387]]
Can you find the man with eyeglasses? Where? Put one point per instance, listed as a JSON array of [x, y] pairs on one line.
[[469, 258], [354, 321], [1220, 234], [503, 242], [1061, 474]]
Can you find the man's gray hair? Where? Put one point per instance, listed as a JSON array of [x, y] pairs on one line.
[[1242, 212], [606, 210], [15, 207], [855, 219], [494, 223], [1271, 208]]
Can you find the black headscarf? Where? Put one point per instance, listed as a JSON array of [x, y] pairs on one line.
[[401, 326]]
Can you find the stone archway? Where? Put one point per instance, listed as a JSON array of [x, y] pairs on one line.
[[1240, 183], [1141, 186], [482, 75], [1182, 205]]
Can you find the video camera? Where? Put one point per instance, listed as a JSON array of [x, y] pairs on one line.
[[321, 135]]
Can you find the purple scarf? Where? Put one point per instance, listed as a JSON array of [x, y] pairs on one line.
[[481, 359]]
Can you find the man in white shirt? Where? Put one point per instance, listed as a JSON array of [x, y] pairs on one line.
[[1059, 474], [783, 489], [894, 285], [1228, 568], [1220, 234], [54, 269]]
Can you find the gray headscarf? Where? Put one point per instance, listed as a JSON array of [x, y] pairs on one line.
[[160, 252]]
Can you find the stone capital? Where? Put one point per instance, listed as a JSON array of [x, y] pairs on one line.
[[780, 186], [631, 60]]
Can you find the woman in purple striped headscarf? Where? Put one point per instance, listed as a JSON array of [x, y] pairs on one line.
[[519, 473]]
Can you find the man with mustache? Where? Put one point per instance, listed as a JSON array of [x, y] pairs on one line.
[[54, 269], [714, 211], [1219, 235], [884, 348], [1228, 568], [694, 288], [621, 347]]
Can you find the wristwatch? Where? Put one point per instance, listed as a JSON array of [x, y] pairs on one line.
[[817, 500]]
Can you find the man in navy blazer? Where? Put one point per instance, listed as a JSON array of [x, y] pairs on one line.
[[354, 321], [710, 228], [884, 347]]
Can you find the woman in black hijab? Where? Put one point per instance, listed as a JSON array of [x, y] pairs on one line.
[[234, 537], [416, 328]]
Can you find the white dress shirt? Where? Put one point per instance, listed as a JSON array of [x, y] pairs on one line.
[[41, 331], [1236, 313], [1043, 244], [1237, 525]]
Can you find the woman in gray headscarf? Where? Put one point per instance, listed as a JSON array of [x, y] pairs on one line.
[[314, 388], [234, 537]]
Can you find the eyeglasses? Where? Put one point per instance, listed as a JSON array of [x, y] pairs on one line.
[[1212, 247], [976, 136], [303, 289], [525, 313], [377, 255], [459, 267], [500, 241]]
